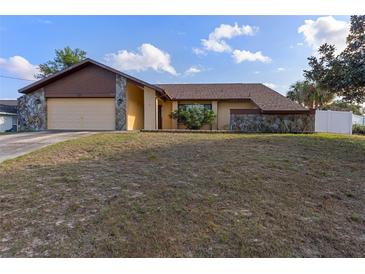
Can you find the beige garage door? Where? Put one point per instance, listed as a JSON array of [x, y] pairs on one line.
[[81, 113]]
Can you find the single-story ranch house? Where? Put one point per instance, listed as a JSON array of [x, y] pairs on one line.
[[92, 96]]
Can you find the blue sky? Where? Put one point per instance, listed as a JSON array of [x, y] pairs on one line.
[[171, 49]]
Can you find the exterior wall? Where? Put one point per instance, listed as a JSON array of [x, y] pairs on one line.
[[91, 81], [149, 108], [174, 107], [215, 109], [156, 112], [120, 103], [135, 106], [7, 121], [220, 108], [166, 110], [32, 111], [224, 108], [32, 107], [275, 123]]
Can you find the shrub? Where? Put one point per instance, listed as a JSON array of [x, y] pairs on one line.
[[193, 118], [358, 129]]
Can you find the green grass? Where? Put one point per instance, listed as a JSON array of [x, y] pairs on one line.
[[186, 195]]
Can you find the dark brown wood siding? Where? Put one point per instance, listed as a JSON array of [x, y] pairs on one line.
[[90, 81]]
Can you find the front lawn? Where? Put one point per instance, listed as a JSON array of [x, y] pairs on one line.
[[186, 195]]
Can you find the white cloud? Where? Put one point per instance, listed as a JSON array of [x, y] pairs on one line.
[[280, 69], [148, 57], [300, 44], [198, 51], [256, 72], [270, 85], [325, 30], [216, 45], [240, 56], [193, 70], [225, 31], [216, 40], [20, 67]]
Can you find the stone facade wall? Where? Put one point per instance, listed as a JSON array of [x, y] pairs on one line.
[[274, 123], [120, 103], [32, 111]]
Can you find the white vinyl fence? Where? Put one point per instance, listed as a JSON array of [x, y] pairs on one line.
[[358, 120], [333, 121]]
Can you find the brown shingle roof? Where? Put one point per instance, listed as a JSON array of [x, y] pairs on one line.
[[9, 102], [265, 98]]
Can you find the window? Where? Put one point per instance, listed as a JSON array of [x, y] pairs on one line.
[[187, 106]]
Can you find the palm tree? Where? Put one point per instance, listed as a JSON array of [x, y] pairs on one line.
[[309, 95]]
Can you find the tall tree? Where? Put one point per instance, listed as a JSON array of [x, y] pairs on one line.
[[322, 68], [65, 58], [352, 86], [309, 95], [298, 92], [344, 74]]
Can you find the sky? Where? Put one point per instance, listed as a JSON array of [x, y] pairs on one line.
[[171, 49]]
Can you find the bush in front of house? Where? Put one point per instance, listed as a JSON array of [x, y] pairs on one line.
[[358, 129], [193, 118]]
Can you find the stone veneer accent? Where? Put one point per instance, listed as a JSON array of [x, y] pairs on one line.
[[274, 123], [32, 114], [120, 103]]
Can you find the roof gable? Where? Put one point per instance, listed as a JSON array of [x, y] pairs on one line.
[[59, 75]]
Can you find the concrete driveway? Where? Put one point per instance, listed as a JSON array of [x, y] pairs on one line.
[[17, 144]]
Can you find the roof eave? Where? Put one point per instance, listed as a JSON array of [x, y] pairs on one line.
[[8, 113], [284, 111]]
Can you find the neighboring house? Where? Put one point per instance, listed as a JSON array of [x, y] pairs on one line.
[[358, 120], [92, 96], [8, 115]]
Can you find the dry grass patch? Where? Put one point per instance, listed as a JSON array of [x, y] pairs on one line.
[[186, 195]]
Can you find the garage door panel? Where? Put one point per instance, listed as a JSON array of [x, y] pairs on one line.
[[81, 113]]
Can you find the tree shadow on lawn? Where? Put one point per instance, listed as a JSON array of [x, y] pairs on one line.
[[164, 195]]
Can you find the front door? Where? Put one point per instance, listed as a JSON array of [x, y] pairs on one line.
[[159, 117]]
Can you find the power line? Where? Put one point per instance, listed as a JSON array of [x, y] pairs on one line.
[[10, 77]]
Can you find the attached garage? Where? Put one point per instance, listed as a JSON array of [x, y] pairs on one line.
[[88, 96], [81, 113]]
